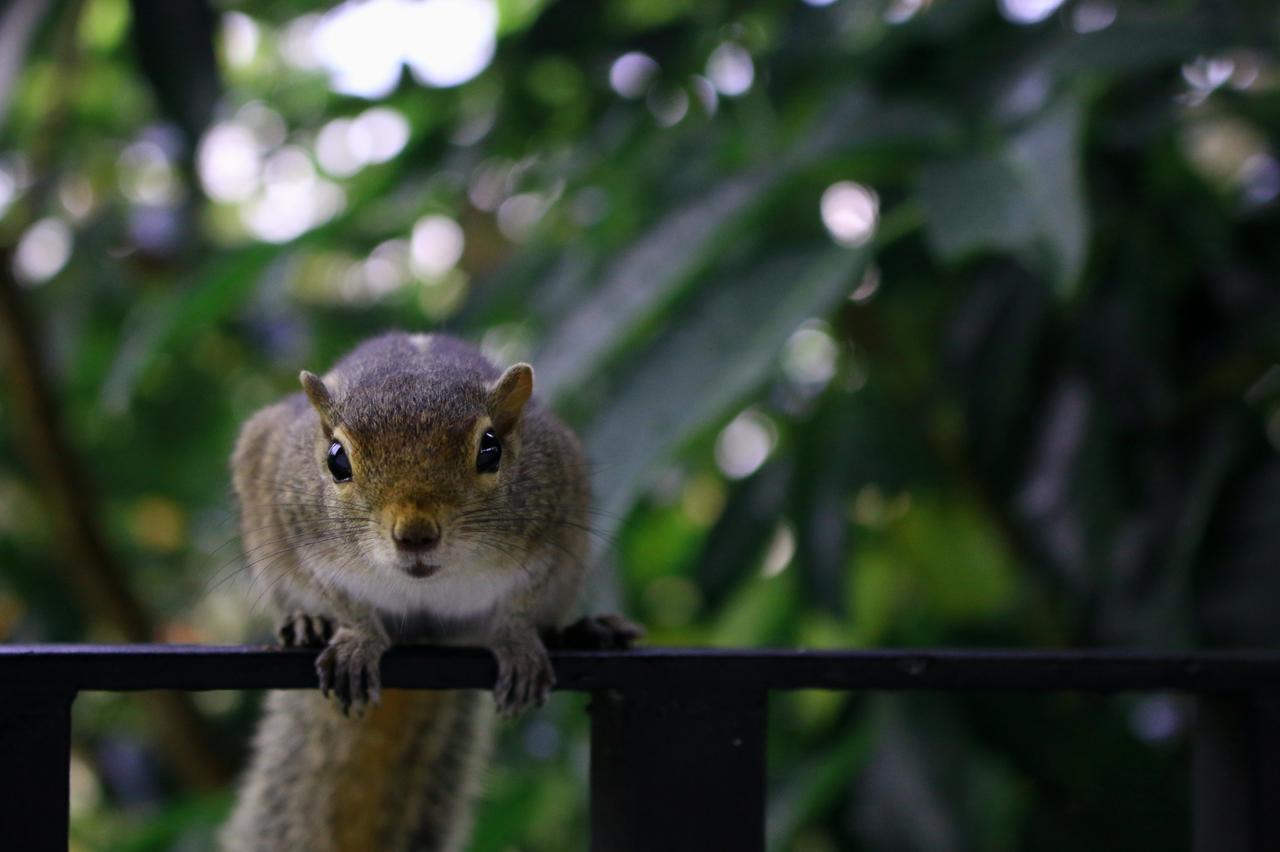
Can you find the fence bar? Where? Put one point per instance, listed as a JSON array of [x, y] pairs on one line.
[[677, 770], [1236, 773], [678, 733], [35, 754], [121, 668]]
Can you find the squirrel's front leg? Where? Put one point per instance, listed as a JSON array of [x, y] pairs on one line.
[[525, 676], [349, 666]]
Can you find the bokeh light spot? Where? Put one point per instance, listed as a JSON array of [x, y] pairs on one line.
[[83, 790], [520, 214], [850, 212], [1156, 719], [450, 41], [1206, 73], [380, 133], [76, 195], [743, 445], [508, 342], [229, 162], [703, 499], [668, 105], [298, 43], [334, 151], [345, 146], [1028, 11], [705, 93], [357, 44], [867, 287], [809, 358], [42, 251], [1260, 179], [436, 246], [1092, 16], [385, 270], [491, 184], [901, 11], [631, 74], [364, 45], [146, 175], [294, 200], [8, 188], [730, 69], [780, 552], [240, 39]]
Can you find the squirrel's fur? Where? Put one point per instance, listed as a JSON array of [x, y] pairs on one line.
[[495, 558]]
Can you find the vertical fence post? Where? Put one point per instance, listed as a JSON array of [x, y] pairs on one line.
[[677, 770], [1266, 788], [1236, 773], [35, 757]]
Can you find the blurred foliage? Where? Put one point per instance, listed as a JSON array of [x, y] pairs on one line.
[[885, 323]]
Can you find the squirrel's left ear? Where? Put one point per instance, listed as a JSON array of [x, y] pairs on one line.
[[508, 395], [319, 395]]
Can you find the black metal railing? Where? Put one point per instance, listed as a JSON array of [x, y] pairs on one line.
[[677, 735]]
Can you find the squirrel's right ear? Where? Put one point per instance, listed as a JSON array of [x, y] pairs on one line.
[[319, 395], [508, 395]]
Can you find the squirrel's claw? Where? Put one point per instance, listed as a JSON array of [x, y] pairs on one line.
[[300, 630], [349, 668], [525, 677]]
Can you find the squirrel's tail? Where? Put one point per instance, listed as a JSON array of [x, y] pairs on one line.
[[404, 776]]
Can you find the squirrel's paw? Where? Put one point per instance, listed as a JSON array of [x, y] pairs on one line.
[[596, 633], [300, 630], [349, 668], [525, 677]]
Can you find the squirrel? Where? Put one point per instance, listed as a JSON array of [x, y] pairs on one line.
[[414, 492]]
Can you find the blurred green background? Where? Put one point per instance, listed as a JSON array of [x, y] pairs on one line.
[[885, 324]]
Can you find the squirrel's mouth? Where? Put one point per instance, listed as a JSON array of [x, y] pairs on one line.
[[421, 570]]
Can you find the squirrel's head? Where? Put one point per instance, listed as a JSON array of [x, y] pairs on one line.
[[412, 460]]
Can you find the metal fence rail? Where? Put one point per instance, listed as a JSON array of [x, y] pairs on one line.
[[677, 735]]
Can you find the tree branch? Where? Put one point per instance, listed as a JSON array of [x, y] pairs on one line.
[[88, 566]]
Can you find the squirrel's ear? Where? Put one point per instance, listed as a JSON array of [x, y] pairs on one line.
[[508, 395], [318, 393]]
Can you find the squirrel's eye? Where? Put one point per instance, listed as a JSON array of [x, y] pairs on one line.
[[490, 453], [339, 464]]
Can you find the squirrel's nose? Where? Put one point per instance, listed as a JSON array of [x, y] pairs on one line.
[[415, 533]]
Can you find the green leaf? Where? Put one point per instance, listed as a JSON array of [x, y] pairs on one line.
[[689, 379], [1047, 158], [1024, 199], [642, 282], [973, 203], [722, 349]]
